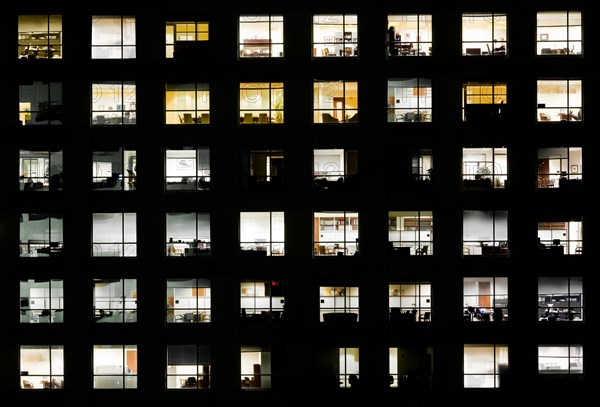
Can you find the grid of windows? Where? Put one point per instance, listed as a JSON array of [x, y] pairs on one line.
[[211, 234]]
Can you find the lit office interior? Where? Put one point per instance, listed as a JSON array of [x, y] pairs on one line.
[[247, 210]]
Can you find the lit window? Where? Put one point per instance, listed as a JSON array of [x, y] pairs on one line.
[[188, 366], [115, 300], [262, 233], [335, 102], [484, 34], [562, 363], [485, 233], [559, 100], [335, 35], [188, 300], [410, 233], [335, 168], [187, 169], [115, 366], [560, 167], [409, 100], [485, 366], [411, 366], [40, 170], [261, 103], [42, 301], [484, 102], [410, 34], [336, 233], [40, 36], [263, 168], [113, 103], [42, 367], [40, 103], [485, 299], [559, 33], [560, 235], [560, 299], [187, 103], [188, 234], [261, 36], [186, 39], [255, 367], [114, 170], [410, 302], [338, 304], [41, 234], [113, 37], [114, 235], [261, 301], [484, 168]]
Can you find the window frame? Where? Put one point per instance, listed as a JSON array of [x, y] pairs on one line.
[[52, 299], [421, 310], [52, 377], [189, 375], [119, 304], [495, 47], [497, 309], [272, 311], [120, 376], [572, 296], [330, 88], [345, 46], [394, 42], [123, 45], [197, 245], [544, 38], [422, 113], [199, 301], [123, 247], [51, 51], [333, 247], [51, 243], [500, 353], [489, 176], [336, 300], [564, 112], [274, 49], [499, 247], [271, 243], [125, 112], [195, 175]]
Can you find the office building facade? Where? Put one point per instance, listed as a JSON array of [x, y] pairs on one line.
[[236, 205]]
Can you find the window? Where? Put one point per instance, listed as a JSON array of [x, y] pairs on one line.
[[560, 167], [261, 103], [560, 236], [188, 300], [115, 366], [485, 299], [186, 39], [337, 367], [188, 366], [262, 233], [188, 234], [559, 100], [409, 100], [560, 299], [559, 33], [560, 364], [411, 366], [262, 168], [42, 301], [335, 168], [410, 167], [114, 170], [410, 302], [485, 233], [485, 366], [484, 34], [40, 170], [113, 37], [335, 102], [484, 102], [115, 300], [40, 36], [335, 233], [261, 36], [410, 34], [114, 235], [338, 304], [335, 35], [410, 233], [187, 103], [255, 367], [40, 102], [113, 103], [42, 366], [41, 235], [484, 168], [187, 169], [262, 300]]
